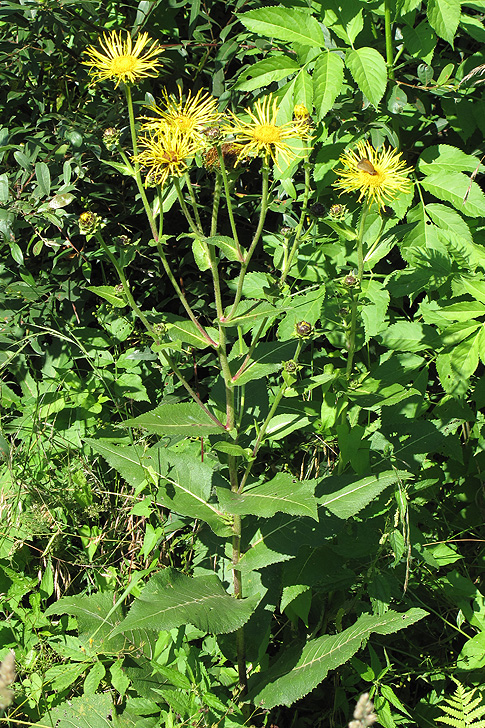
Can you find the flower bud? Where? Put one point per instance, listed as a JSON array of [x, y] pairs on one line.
[[89, 222], [111, 138], [350, 280], [303, 329], [338, 212], [317, 209], [290, 366]]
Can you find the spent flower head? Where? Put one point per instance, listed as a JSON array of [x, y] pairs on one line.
[[166, 153], [122, 60], [262, 136], [192, 117], [378, 174]]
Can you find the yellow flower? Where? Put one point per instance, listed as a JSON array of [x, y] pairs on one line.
[[165, 153], [192, 116], [379, 175], [263, 137], [122, 61]]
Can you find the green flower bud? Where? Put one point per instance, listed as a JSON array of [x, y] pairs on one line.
[[303, 329]]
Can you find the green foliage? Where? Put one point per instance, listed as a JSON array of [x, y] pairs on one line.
[[462, 709]]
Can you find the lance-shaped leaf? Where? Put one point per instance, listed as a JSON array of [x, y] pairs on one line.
[[171, 599], [328, 79], [180, 329], [110, 294], [184, 418], [228, 246], [284, 494], [458, 189], [262, 73], [297, 672], [348, 500]]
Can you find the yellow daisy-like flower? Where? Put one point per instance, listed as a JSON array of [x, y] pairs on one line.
[[165, 153], [379, 175], [122, 61], [192, 116], [263, 137]]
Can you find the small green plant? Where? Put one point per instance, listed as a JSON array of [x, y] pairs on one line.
[[462, 710]]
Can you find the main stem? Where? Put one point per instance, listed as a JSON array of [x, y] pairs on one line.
[[356, 290], [389, 44]]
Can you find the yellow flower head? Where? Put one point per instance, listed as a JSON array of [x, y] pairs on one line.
[[263, 137], [379, 175], [192, 116], [122, 61], [165, 153]]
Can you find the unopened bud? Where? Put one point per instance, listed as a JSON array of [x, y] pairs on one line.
[[290, 366], [303, 329], [350, 280], [317, 209], [89, 222], [338, 211], [111, 138]]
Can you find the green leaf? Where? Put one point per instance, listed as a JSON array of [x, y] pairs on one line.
[[180, 329], [328, 77], [184, 418], [248, 312], [93, 710], [409, 336], [262, 73], [303, 90], [368, 69], [475, 288], [110, 294], [295, 674], [228, 247], [450, 221], [458, 189], [267, 358], [171, 599], [61, 200], [201, 254], [445, 158], [284, 23], [4, 188], [444, 16], [352, 498], [43, 178], [284, 494]]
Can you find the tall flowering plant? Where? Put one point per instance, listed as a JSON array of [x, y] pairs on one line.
[[258, 520]]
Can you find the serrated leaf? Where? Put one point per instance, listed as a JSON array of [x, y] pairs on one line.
[[171, 599], [445, 158], [449, 220], [95, 628], [284, 23], [110, 294], [368, 69], [184, 418], [328, 77], [458, 189], [284, 494], [303, 89], [93, 710], [352, 498], [227, 245], [444, 16], [180, 329], [296, 674], [261, 74]]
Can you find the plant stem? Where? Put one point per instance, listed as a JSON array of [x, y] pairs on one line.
[[389, 44], [227, 192], [216, 203], [265, 424], [193, 201], [356, 293], [262, 217], [294, 248]]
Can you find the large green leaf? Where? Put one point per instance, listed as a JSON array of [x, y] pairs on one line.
[[458, 189], [285, 23], [297, 672], [180, 329], [171, 599], [262, 73], [445, 158], [368, 69], [266, 358], [444, 16], [184, 418], [91, 710], [284, 494], [348, 500], [328, 77], [185, 482]]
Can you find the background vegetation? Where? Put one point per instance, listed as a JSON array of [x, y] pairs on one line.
[[373, 581]]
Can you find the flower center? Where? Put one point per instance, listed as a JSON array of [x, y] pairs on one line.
[[123, 64], [267, 133], [184, 123], [170, 157]]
